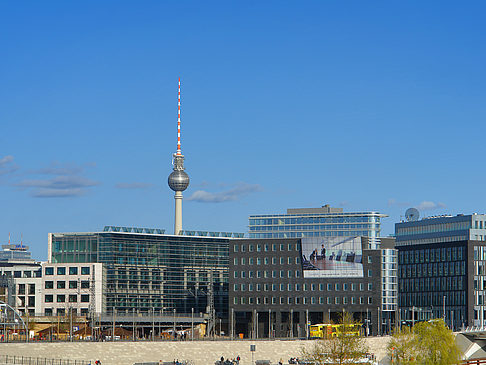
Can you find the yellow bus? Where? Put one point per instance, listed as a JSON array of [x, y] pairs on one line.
[[327, 330]]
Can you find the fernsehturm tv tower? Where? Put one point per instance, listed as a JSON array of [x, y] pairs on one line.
[[178, 179]]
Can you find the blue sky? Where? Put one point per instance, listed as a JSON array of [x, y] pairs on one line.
[[365, 105]]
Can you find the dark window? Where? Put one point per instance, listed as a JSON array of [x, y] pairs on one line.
[[61, 271], [48, 312], [61, 298], [73, 298], [85, 284], [49, 298], [49, 271], [49, 285], [73, 284], [85, 270], [84, 298], [73, 271], [61, 285], [17, 274]]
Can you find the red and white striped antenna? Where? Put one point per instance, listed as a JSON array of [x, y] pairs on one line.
[[179, 120]]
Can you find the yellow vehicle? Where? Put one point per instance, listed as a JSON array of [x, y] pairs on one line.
[[327, 330]]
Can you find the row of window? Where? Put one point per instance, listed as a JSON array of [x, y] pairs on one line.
[[310, 220], [23, 274], [73, 284], [304, 287], [267, 260], [21, 289], [302, 234], [432, 255], [61, 298], [300, 300], [274, 274], [61, 270], [321, 227], [433, 284], [425, 241], [62, 311], [432, 299], [435, 269], [266, 247], [434, 228]]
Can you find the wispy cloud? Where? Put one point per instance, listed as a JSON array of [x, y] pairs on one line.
[[66, 181], [238, 191], [7, 165], [429, 205], [134, 185]]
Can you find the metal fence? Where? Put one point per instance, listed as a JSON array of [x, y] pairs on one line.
[[25, 360]]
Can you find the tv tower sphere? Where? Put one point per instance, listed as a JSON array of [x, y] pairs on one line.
[[178, 180]]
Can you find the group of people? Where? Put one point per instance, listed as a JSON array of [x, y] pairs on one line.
[[315, 254], [234, 361]]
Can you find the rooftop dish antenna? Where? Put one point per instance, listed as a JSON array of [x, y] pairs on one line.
[[412, 215]]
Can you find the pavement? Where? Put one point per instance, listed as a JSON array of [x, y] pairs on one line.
[[198, 352]]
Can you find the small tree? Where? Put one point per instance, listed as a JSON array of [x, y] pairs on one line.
[[344, 348], [428, 343]]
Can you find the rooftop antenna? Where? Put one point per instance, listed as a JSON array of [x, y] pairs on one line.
[[21, 239], [9, 238]]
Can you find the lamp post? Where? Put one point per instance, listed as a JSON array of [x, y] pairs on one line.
[[192, 324]]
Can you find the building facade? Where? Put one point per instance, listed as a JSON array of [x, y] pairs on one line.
[[276, 287], [151, 271], [21, 282], [74, 288], [441, 266], [316, 222]]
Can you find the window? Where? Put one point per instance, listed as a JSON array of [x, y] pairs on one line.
[[259, 248], [321, 287], [274, 247], [236, 274], [297, 260], [250, 287], [274, 287], [48, 312], [49, 298], [281, 261], [370, 260], [49, 271], [49, 285], [361, 286], [336, 287], [353, 287], [289, 300], [73, 271], [370, 273], [17, 274], [73, 284], [370, 286], [73, 298], [370, 300], [61, 270], [61, 285], [336, 300], [297, 287], [235, 249], [61, 298], [259, 261], [235, 287], [345, 288], [329, 287], [282, 287], [243, 261], [84, 298], [235, 300], [265, 260], [250, 261], [250, 248], [235, 261], [243, 249], [266, 247], [85, 270], [274, 260]]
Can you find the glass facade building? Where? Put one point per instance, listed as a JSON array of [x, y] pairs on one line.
[[152, 271], [316, 222], [441, 268]]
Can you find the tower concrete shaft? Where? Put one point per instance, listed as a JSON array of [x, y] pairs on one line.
[[178, 212]]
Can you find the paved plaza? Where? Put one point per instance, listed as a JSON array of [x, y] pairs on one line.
[[199, 352]]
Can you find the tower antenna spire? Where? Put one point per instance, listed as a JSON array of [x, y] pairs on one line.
[[179, 120], [178, 179]]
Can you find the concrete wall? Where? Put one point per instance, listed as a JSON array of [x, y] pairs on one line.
[[199, 352]]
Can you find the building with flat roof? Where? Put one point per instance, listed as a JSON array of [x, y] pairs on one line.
[[147, 270], [316, 222], [276, 286], [442, 269]]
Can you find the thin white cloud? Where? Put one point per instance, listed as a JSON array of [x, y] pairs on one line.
[[7, 165], [429, 205], [134, 185], [66, 182], [239, 191]]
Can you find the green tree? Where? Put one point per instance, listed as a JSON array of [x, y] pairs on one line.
[[428, 343], [343, 349]]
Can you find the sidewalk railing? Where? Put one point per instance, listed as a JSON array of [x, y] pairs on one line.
[[25, 360]]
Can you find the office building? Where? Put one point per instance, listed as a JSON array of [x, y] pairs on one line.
[[276, 286], [316, 222], [148, 270], [76, 288], [21, 285], [15, 252], [442, 267]]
